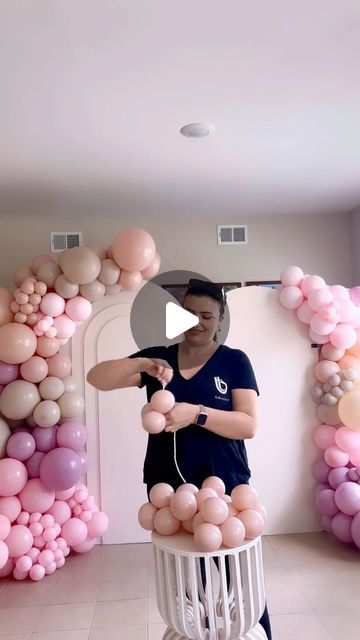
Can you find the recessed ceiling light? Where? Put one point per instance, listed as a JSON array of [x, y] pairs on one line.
[[197, 130]]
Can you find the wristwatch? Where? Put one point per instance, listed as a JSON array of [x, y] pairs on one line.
[[201, 416]]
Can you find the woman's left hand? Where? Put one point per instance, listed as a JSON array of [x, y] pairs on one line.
[[182, 415]]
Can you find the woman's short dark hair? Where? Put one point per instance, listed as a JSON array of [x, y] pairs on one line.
[[207, 288]]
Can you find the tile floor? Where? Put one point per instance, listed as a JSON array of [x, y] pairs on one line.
[[313, 592]]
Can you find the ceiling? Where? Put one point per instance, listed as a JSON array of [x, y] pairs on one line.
[[93, 94]]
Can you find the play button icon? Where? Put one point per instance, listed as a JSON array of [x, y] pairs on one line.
[[178, 320]]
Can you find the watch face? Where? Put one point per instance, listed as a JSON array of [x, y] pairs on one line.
[[201, 419]]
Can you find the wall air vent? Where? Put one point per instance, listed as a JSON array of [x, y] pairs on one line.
[[232, 234], [61, 240]]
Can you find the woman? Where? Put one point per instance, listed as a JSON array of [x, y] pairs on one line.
[[216, 400]]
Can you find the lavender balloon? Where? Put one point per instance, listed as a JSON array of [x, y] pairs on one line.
[[33, 464], [84, 462], [72, 435], [337, 476], [45, 438], [60, 469], [347, 498], [325, 502], [8, 372], [21, 446]]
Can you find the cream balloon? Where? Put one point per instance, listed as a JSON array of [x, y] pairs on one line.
[[51, 388], [65, 288], [5, 434], [19, 399], [109, 272], [93, 291], [71, 405], [80, 265], [48, 272], [46, 413]]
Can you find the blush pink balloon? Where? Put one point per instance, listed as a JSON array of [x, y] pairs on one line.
[[153, 267], [13, 477], [23, 564], [46, 557], [324, 369], [215, 483], [19, 540], [59, 365], [336, 457], [78, 309], [203, 494], [37, 572], [17, 343], [10, 507], [347, 439], [165, 523], [133, 249], [304, 312], [310, 283], [337, 476], [329, 352], [183, 505], [33, 554], [36, 529], [35, 497], [74, 531], [233, 532], [253, 523], [35, 369], [5, 527], [197, 520], [153, 422], [52, 305], [292, 275], [207, 537], [321, 326], [130, 280], [160, 495], [214, 510], [162, 401], [243, 496], [343, 336], [146, 516], [320, 297], [291, 297], [98, 525], [65, 327], [324, 436], [66, 494], [61, 511]]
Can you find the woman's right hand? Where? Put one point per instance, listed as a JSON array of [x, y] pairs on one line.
[[159, 369]]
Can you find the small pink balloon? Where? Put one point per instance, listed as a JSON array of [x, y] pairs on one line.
[[183, 505], [154, 422], [336, 457], [65, 327], [233, 532], [347, 498], [66, 494], [203, 494], [35, 497], [85, 546], [253, 523], [62, 544], [35, 517], [291, 297], [304, 312], [61, 511], [19, 575], [188, 486], [146, 516], [23, 563], [50, 569], [214, 483], [321, 326], [86, 516], [37, 572], [165, 523], [292, 276], [310, 283], [320, 297], [162, 401], [153, 267], [78, 309], [130, 280], [160, 495], [207, 537], [49, 534], [46, 557], [243, 496], [60, 563], [36, 529], [74, 531]]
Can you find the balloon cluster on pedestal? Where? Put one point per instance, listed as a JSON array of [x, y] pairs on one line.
[[333, 315], [211, 516], [45, 509]]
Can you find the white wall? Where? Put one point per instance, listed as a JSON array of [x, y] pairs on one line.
[[319, 244]]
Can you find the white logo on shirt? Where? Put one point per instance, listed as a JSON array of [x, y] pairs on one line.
[[220, 385]]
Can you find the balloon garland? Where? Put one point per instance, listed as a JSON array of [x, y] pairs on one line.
[[45, 509], [333, 316]]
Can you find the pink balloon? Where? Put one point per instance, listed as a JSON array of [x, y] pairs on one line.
[[66, 494], [183, 505], [153, 422], [325, 502], [35, 369], [61, 511], [98, 525], [33, 554], [19, 540], [17, 343], [215, 483], [146, 516], [36, 529], [197, 521], [317, 338], [324, 436], [59, 365], [37, 572], [46, 557], [336, 457], [85, 546], [347, 498], [72, 434], [324, 369], [188, 525], [253, 523], [133, 249], [78, 309], [35, 497], [321, 326], [20, 446], [65, 327], [329, 352], [343, 336], [4, 556], [207, 537], [165, 523], [52, 305], [153, 267], [45, 438], [35, 516], [291, 297], [188, 486], [8, 372], [337, 476], [320, 297], [160, 495], [23, 564], [347, 439], [203, 494], [292, 276], [5, 527], [214, 510], [162, 401], [74, 531], [310, 283], [13, 476], [233, 532], [10, 507], [304, 312], [244, 497]]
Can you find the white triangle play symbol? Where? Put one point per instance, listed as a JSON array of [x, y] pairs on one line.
[[178, 320]]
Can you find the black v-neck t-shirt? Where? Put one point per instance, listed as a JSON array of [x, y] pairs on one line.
[[199, 452]]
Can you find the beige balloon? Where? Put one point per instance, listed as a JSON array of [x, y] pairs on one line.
[[19, 399], [80, 265], [93, 291], [70, 384], [65, 288], [109, 272], [71, 405], [46, 413], [51, 388], [48, 272], [328, 414], [5, 434]]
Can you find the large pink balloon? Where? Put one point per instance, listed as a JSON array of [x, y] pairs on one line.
[[10, 507], [74, 531], [13, 476], [78, 309], [35, 497], [17, 343], [19, 399], [60, 468], [98, 524], [19, 540], [133, 249]]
